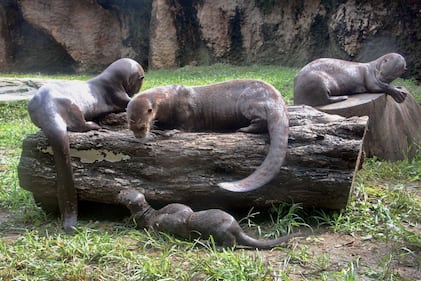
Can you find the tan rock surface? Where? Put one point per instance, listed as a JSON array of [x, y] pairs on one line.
[[89, 33]]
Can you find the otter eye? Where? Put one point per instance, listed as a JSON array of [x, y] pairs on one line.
[[150, 110]]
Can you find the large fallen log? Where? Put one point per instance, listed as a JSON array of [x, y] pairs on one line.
[[323, 154]]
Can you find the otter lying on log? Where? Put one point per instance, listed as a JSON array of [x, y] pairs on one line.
[[250, 106], [327, 80], [182, 221], [67, 105]]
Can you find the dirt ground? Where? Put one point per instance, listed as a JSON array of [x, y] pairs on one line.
[[373, 259]]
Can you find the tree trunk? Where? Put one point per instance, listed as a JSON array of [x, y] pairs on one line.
[[394, 129], [323, 154]]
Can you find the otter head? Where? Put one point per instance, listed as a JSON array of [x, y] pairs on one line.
[[127, 73], [135, 80], [132, 199], [140, 113], [389, 67]]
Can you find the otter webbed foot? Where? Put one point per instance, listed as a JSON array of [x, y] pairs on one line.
[[92, 126], [166, 133], [256, 126], [156, 134], [333, 99], [83, 127], [398, 94], [69, 222]]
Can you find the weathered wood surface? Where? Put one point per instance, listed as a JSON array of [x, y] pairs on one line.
[[394, 129], [323, 153]]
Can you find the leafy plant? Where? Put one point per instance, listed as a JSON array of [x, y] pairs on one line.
[[284, 218]]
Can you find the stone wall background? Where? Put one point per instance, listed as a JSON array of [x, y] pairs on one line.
[[87, 35]]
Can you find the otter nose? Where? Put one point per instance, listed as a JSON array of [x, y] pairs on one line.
[[139, 133]]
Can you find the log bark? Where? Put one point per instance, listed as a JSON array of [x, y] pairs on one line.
[[394, 129], [323, 154]]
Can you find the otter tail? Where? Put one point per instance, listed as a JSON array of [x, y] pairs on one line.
[[278, 125], [244, 240], [66, 192]]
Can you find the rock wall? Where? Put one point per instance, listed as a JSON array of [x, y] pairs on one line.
[[83, 35], [163, 36], [71, 36]]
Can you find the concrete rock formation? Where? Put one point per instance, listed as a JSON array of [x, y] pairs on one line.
[[52, 35]]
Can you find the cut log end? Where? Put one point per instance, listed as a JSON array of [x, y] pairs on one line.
[[394, 129]]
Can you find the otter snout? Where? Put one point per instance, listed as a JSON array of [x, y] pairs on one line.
[[130, 196], [139, 130]]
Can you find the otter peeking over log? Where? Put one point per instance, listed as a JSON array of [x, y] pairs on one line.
[[327, 80], [250, 106], [67, 105], [182, 221]]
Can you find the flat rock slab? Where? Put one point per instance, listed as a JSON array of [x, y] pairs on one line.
[[15, 89]]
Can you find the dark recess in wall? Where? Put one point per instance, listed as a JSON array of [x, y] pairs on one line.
[[236, 51], [31, 49], [138, 14]]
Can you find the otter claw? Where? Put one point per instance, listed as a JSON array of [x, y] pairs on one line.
[[171, 133], [400, 95]]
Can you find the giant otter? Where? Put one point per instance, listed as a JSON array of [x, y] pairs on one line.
[[67, 105], [182, 221], [250, 106], [326, 80]]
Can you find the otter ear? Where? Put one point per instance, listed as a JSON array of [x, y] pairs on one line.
[[149, 110]]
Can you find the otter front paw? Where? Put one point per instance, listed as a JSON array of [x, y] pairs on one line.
[[168, 133], [399, 94], [92, 126], [333, 99]]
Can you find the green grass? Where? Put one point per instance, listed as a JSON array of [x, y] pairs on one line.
[[384, 210], [386, 203]]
